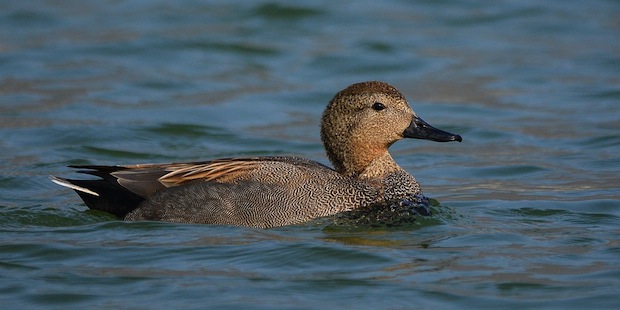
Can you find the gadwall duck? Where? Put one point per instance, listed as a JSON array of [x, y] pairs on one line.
[[358, 126]]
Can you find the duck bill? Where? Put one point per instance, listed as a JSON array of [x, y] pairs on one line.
[[419, 129]]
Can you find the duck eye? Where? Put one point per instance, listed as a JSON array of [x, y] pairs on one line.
[[378, 106]]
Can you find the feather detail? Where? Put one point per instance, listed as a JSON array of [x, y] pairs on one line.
[[218, 170]]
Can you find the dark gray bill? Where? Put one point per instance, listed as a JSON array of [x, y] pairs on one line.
[[419, 129]]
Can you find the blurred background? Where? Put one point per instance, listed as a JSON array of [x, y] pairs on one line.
[[534, 188]]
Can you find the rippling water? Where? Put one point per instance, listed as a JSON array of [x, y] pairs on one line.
[[530, 201]]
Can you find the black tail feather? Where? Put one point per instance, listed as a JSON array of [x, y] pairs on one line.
[[103, 172], [112, 198]]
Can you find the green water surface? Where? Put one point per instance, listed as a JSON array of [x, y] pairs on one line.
[[530, 200]]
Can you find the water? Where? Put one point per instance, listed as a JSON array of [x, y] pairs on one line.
[[530, 200]]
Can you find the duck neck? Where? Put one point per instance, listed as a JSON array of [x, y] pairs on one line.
[[366, 166], [379, 167]]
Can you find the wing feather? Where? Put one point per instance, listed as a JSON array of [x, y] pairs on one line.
[[145, 179], [218, 170]]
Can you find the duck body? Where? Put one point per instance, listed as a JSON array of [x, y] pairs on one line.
[[357, 128]]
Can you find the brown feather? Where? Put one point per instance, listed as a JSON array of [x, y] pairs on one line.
[[218, 170]]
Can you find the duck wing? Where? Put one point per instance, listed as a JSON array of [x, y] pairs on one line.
[[120, 189]]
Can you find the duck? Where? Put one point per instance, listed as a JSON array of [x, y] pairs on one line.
[[358, 126]]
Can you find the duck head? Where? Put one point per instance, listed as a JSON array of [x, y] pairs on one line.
[[362, 121]]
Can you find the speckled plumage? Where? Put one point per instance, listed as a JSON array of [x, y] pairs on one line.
[[358, 126]]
